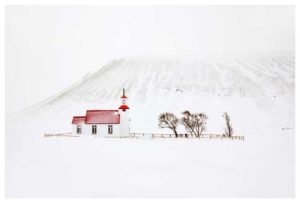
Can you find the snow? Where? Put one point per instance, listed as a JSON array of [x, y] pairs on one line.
[[102, 167], [256, 91]]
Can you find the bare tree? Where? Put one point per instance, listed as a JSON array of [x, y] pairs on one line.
[[200, 122], [168, 120], [194, 123], [228, 128], [187, 122]]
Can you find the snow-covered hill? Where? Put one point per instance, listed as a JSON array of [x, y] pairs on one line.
[[211, 84], [152, 77]]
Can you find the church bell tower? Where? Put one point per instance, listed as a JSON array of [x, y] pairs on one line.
[[124, 116]]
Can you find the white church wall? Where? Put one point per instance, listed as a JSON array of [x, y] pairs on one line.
[[124, 123], [102, 130], [74, 129]]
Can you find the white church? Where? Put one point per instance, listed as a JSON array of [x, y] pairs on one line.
[[103, 122]]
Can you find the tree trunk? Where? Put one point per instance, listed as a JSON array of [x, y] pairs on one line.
[[175, 132]]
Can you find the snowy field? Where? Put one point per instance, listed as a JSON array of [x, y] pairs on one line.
[[101, 167], [256, 91]]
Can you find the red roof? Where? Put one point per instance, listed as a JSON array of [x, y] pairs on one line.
[[102, 117], [78, 120]]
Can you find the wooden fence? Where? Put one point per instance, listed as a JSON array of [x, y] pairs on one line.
[[158, 136], [186, 136], [60, 135]]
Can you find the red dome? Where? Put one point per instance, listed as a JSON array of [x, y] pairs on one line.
[[124, 107]]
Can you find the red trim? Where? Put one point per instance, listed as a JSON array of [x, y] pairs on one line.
[[124, 106]]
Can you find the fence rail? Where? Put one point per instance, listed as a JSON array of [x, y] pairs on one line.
[[187, 136], [60, 135], [157, 136]]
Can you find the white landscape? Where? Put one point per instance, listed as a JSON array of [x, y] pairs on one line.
[[257, 91]]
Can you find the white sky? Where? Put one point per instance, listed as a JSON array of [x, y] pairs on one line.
[[48, 48]]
